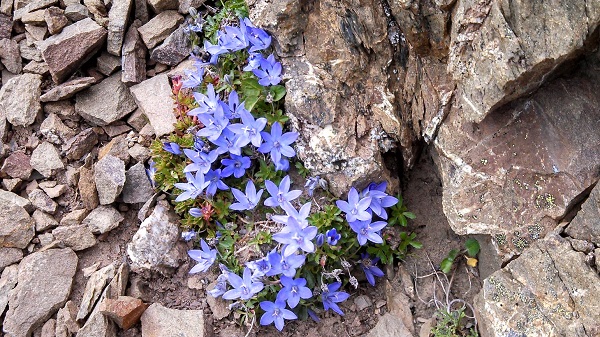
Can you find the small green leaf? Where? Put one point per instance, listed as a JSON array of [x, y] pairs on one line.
[[250, 102], [453, 254], [416, 244], [277, 91], [446, 265], [409, 215], [472, 246], [250, 87]]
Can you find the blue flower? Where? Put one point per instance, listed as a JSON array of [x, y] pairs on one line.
[[246, 201], [228, 142], [285, 265], [233, 108], [249, 130], [281, 195], [300, 216], [331, 296], [233, 38], [193, 188], [194, 78], [188, 235], [201, 161], [311, 184], [258, 38], [205, 257], [320, 239], [243, 288], [214, 181], [172, 147], [355, 208], [213, 124], [278, 144], [275, 312], [379, 199], [206, 103], [269, 72], [259, 267], [295, 237], [253, 61], [237, 166], [151, 172], [199, 145], [366, 230], [369, 266], [293, 291], [282, 165], [214, 51], [333, 236]]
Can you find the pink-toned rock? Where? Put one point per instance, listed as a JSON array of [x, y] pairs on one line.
[[124, 310], [17, 165]]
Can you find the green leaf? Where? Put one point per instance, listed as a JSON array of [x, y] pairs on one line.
[[277, 91], [453, 254], [446, 265], [409, 215], [250, 87], [472, 246], [250, 102], [416, 244]]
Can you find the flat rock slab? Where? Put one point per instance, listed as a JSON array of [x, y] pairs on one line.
[[174, 49], [77, 237], [67, 89], [49, 273], [20, 99], [94, 106], [158, 321], [10, 55], [93, 289], [117, 24], [65, 52], [8, 281], [153, 96], [17, 165], [516, 174], [159, 28], [9, 256], [548, 291]]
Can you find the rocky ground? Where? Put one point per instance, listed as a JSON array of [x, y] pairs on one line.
[[487, 120]]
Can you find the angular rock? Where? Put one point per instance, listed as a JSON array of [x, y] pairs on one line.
[[103, 219], [67, 89], [548, 291], [77, 237], [11, 198], [93, 106], [505, 178], [16, 226], [174, 50], [40, 68], [585, 226], [30, 51], [74, 217], [55, 20], [80, 145], [117, 24], [137, 187], [159, 28], [66, 325], [133, 61], [8, 281], [42, 201], [20, 99], [50, 273], [162, 5], [153, 247], [11, 185], [93, 289], [116, 129], [389, 326], [43, 221], [137, 120], [10, 55], [117, 147], [97, 326], [9, 256], [98, 10], [87, 188], [151, 97], [55, 131], [65, 52], [46, 160], [64, 109], [6, 10], [17, 165], [49, 328], [218, 306], [158, 321], [139, 153], [109, 176], [31, 6], [125, 311], [35, 24], [107, 64], [118, 284], [185, 5], [77, 12]]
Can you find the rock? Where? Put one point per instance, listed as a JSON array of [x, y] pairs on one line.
[[98, 10], [117, 24], [32, 6], [11, 185], [77, 12], [389, 326], [16, 226], [97, 326], [137, 120], [55, 20], [159, 28], [107, 64], [54, 130], [74, 217], [153, 247], [20, 99], [77, 237], [506, 179], [10, 55], [162, 5], [93, 289], [118, 284], [46, 160], [5, 18], [525, 50], [64, 109], [125, 311], [8, 281], [55, 191], [362, 302], [87, 188], [109, 176], [117, 147], [50, 273], [137, 187], [42, 201], [40, 68], [9, 256], [158, 321], [139, 153], [49, 328], [35, 24], [103, 219], [30, 51], [174, 50], [116, 129], [548, 291], [185, 5], [65, 52], [585, 225], [66, 325], [67, 89], [153, 98], [133, 61], [17, 165], [43, 221], [9, 197], [218, 306], [399, 304], [93, 106], [80, 145]]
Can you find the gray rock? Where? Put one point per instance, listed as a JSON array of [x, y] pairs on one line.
[[55, 131], [17, 165], [40, 200], [158, 321], [11, 185], [74, 217], [9, 256], [93, 106], [50, 273], [8, 281], [43, 221], [116, 129], [81, 39], [103, 219], [10, 55], [40, 68], [6, 7], [585, 226], [140, 153], [174, 50], [153, 98], [218, 306], [81, 144], [118, 284], [117, 147], [107, 64], [109, 176], [137, 120], [77, 12], [77, 237], [35, 25], [162, 5], [20, 99], [153, 247], [46, 239], [137, 187], [159, 28], [185, 5], [49, 328], [54, 191], [97, 326], [46, 160], [9, 197], [93, 289], [117, 24], [389, 326], [55, 20], [30, 51], [66, 325], [67, 89], [362, 302], [16, 226], [133, 61]]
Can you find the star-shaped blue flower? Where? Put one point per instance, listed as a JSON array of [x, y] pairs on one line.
[[366, 230], [369, 266], [250, 129], [355, 208], [205, 258], [293, 291], [246, 201], [331, 297], [281, 195], [269, 72], [193, 188], [237, 166], [243, 288], [295, 237], [278, 143], [206, 103], [275, 312]]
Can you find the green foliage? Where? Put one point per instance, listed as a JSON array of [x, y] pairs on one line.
[[451, 324], [470, 252], [400, 214], [472, 247], [447, 262]]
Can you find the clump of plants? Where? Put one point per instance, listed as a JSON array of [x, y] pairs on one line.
[[226, 167]]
